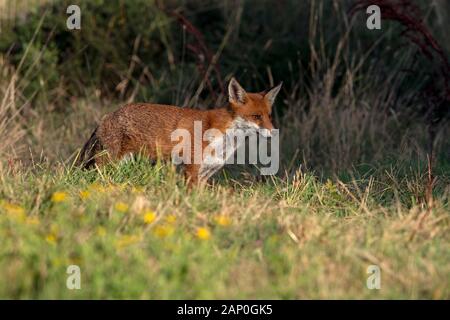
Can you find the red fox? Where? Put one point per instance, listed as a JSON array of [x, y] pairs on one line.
[[147, 129]]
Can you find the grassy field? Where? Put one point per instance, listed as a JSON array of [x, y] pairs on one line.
[[136, 232], [352, 191]]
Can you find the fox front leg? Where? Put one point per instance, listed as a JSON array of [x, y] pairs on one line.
[[191, 173]]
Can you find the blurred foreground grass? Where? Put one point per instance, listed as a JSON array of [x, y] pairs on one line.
[[136, 232]]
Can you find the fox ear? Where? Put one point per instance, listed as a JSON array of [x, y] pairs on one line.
[[272, 94], [236, 94]]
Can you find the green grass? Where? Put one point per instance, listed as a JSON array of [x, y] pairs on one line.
[[287, 238], [347, 110]]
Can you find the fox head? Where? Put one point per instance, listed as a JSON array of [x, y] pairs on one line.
[[252, 111]]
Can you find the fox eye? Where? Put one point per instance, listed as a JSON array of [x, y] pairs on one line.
[[257, 116]]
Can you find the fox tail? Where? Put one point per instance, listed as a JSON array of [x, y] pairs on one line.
[[86, 157]]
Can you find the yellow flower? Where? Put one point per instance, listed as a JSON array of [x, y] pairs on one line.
[[127, 240], [13, 208], [50, 238], [149, 217], [171, 218], [14, 211], [137, 190], [164, 230], [203, 233], [96, 187], [59, 197], [84, 194], [222, 220], [101, 231], [121, 207]]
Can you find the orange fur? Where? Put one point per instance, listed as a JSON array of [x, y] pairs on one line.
[[146, 128]]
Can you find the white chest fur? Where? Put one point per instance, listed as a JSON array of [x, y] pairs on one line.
[[222, 146]]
